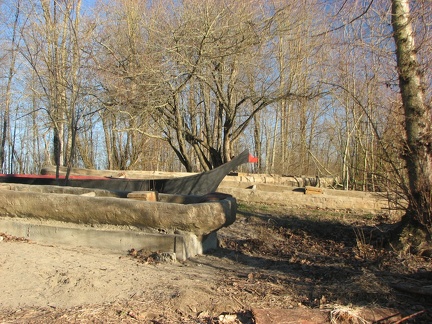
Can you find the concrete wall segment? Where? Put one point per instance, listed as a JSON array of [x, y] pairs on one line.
[[200, 219]]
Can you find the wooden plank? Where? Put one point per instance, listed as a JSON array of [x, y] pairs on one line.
[[144, 195], [313, 190]]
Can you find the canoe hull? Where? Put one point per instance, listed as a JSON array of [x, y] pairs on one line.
[[197, 184]]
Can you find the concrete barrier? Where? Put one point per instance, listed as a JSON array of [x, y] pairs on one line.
[[296, 198], [105, 220]]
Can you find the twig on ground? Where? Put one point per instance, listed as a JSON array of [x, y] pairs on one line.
[[382, 320], [410, 317]]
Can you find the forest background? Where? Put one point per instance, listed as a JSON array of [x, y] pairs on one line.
[[309, 87]]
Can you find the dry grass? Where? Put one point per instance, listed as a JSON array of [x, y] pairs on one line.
[[349, 315]]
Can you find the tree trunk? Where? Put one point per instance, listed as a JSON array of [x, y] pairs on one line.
[[257, 140], [417, 123]]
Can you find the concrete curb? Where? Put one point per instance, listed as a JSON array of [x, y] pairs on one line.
[[330, 200], [184, 245]]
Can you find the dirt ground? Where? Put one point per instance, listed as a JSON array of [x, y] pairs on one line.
[[271, 259]]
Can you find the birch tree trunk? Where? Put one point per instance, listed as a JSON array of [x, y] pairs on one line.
[[418, 152]]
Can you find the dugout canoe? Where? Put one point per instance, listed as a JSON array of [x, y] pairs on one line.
[[197, 184]]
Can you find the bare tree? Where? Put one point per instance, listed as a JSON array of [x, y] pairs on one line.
[[125, 74], [219, 70], [5, 128], [418, 151], [52, 50], [300, 64]]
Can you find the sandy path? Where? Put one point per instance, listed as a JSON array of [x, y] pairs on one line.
[[35, 275]]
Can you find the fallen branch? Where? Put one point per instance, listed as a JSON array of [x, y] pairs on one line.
[[385, 319], [410, 317]]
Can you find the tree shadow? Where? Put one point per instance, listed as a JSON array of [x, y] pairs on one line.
[[322, 261]]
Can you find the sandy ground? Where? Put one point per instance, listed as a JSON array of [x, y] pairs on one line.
[[269, 259], [38, 276]]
